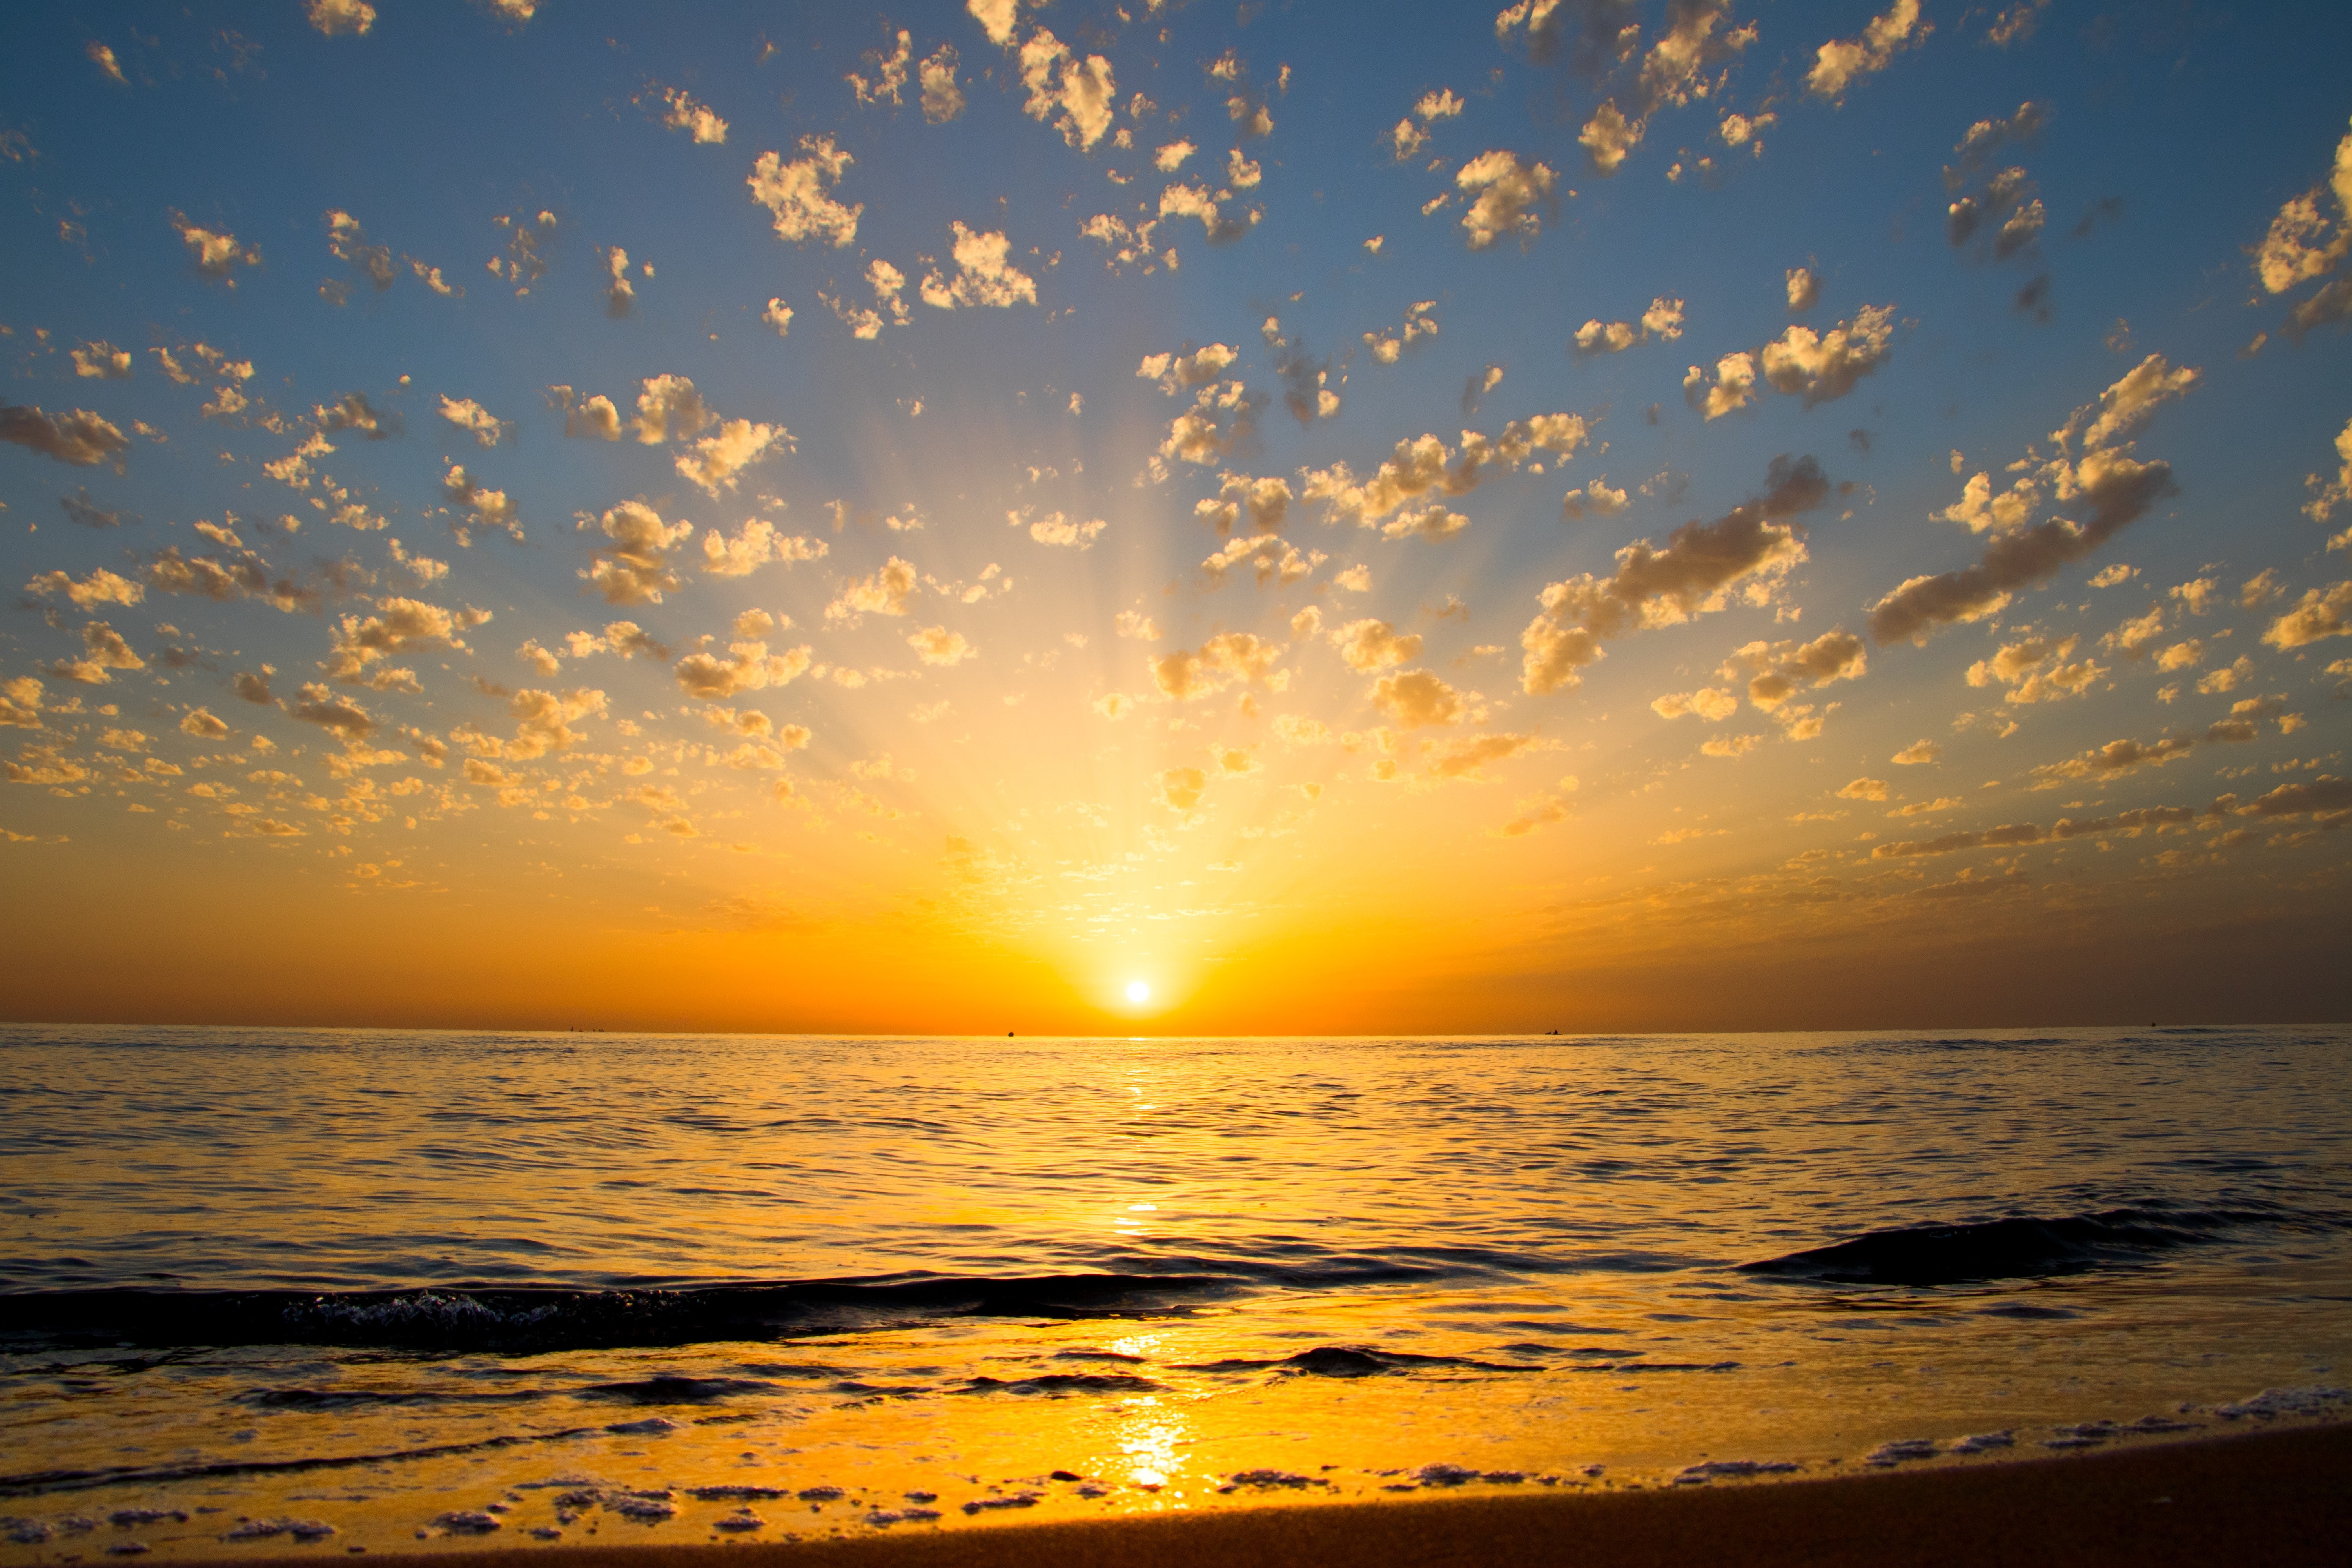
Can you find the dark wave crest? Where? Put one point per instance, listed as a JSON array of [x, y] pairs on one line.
[[531, 1318], [2022, 1246]]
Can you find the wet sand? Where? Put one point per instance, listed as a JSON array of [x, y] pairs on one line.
[[2275, 1498]]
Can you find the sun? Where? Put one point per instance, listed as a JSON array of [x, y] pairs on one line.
[[1138, 992]]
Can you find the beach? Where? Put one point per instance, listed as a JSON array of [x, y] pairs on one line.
[[391, 1294], [2279, 1498]]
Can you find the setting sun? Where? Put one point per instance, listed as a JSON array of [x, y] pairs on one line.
[[1138, 992]]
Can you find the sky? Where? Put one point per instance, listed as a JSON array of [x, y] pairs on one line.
[[1160, 518]]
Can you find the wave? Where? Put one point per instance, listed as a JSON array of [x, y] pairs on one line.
[[526, 1319], [2021, 1247]]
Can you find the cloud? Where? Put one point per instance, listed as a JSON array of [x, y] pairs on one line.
[[1507, 191], [635, 569], [340, 18], [1417, 699], [486, 428], [750, 668], [103, 649], [101, 587], [592, 419], [1265, 502], [1056, 529], [1595, 499], [403, 624], [626, 638], [2113, 760], [1864, 789], [2302, 246], [1195, 202], [1387, 348], [486, 508], [1777, 670], [1465, 758], [717, 461], [2112, 488], [2327, 797], [1694, 573], [1826, 366], [1274, 559], [1733, 388], [2320, 613], [102, 57], [682, 112], [20, 704], [942, 99], [1193, 367], [1181, 788], [545, 719], [937, 645], [348, 242], [355, 415], [1307, 390], [339, 716], [1608, 137], [670, 409], [983, 275], [1080, 91], [753, 546], [215, 253], [103, 361], [799, 193], [2126, 405], [2330, 494], [79, 437], [885, 593], [1841, 61], [1371, 645], [2036, 670], [1804, 290], [620, 298], [1707, 702], [1185, 675], [239, 577], [1425, 465], [1917, 754], [1662, 321]]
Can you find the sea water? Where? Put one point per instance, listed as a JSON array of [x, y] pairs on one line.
[[319, 1290]]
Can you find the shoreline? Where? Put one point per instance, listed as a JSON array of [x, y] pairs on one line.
[[2276, 1497]]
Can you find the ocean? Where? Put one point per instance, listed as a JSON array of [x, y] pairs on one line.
[[345, 1290]]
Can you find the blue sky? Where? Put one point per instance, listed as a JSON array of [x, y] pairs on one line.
[[1003, 716]]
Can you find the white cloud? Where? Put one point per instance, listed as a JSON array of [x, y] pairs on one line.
[[885, 593], [983, 275], [717, 461], [1751, 548], [1424, 466], [1081, 90], [753, 546], [1840, 62], [340, 18], [799, 193], [937, 645], [750, 668], [486, 428], [1507, 192], [635, 569]]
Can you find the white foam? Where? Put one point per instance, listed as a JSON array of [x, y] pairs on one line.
[[2312, 1399], [1981, 1442], [1732, 1469], [1901, 1450]]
